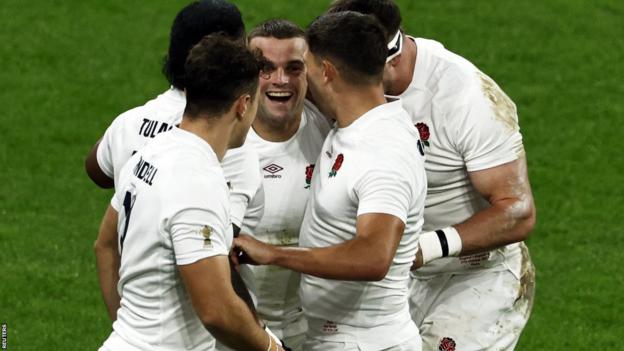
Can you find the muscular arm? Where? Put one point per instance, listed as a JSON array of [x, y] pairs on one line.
[[94, 171], [222, 312], [511, 216], [366, 257], [108, 260]]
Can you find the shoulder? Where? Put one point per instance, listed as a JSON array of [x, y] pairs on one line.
[[449, 72], [242, 162]]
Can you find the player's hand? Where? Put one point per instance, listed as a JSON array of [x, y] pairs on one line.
[[418, 261], [252, 251]]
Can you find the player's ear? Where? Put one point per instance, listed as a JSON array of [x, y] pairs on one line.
[[329, 71], [241, 105], [395, 61]]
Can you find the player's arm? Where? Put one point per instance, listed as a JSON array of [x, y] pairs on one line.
[[221, 311], [237, 281], [94, 171], [108, 261], [367, 257], [509, 219]]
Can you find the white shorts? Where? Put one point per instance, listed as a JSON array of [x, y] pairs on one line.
[[484, 310], [116, 342], [413, 344]]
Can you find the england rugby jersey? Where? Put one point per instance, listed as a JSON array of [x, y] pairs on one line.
[[370, 166], [173, 206], [467, 124], [286, 171], [131, 130]]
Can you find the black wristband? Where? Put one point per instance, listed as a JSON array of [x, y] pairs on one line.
[[443, 242]]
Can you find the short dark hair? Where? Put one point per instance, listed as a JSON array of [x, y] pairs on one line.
[[276, 28], [220, 70], [192, 23], [353, 42], [386, 11]]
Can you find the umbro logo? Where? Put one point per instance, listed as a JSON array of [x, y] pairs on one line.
[[272, 168]]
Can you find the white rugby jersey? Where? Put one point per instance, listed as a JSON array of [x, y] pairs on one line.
[[286, 170], [366, 167], [131, 130], [467, 124], [173, 206]]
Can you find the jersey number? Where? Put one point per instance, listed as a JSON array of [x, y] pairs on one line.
[[128, 203]]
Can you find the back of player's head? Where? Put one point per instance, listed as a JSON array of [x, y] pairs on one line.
[[220, 70], [276, 28], [192, 23], [353, 42], [386, 11]]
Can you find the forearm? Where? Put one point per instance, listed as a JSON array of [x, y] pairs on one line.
[[108, 275], [238, 329], [108, 261], [503, 223], [351, 260], [241, 289]]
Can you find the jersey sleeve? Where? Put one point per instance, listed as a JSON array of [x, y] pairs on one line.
[[105, 150], [241, 168], [487, 134], [384, 190], [200, 227]]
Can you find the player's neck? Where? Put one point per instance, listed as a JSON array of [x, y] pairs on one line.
[[215, 132], [356, 102], [275, 131]]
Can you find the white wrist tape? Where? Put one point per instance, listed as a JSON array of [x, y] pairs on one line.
[[439, 243], [272, 336]]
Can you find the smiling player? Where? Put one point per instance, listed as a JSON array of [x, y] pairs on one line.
[[287, 134]]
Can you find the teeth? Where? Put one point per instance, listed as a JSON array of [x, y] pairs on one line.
[[279, 94]]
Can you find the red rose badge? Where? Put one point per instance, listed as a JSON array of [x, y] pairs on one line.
[[447, 344], [423, 130], [308, 175], [336, 165]]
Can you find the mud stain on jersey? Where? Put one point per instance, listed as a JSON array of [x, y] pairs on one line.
[[504, 109], [524, 301]]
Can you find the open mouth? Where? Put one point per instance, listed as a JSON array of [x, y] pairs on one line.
[[279, 96]]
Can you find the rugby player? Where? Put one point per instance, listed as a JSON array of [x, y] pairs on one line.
[[287, 134], [360, 229], [172, 204], [130, 131], [474, 282]]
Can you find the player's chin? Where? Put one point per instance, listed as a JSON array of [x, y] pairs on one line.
[[278, 111]]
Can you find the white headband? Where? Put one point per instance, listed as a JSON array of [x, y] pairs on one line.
[[395, 46]]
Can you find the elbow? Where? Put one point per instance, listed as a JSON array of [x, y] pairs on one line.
[[102, 246], [377, 270], [96, 175], [525, 224], [211, 321], [214, 322]]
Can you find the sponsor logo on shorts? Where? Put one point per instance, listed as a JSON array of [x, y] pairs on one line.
[[446, 344], [273, 168]]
